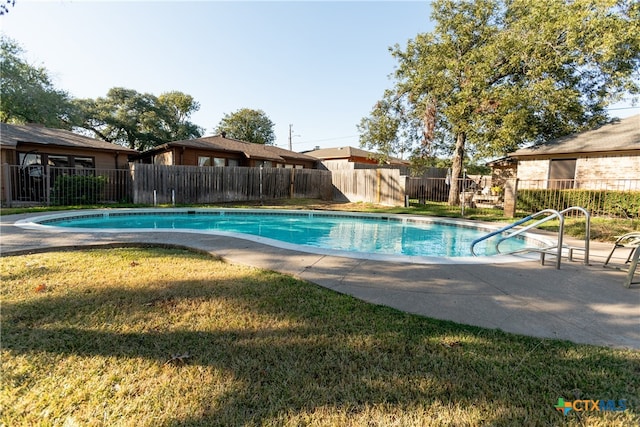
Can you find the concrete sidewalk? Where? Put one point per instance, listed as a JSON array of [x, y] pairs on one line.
[[583, 304]]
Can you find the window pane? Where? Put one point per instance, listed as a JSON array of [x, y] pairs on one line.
[[219, 162], [84, 163], [234, 162], [58, 161], [204, 161], [29, 159], [562, 173], [31, 164]]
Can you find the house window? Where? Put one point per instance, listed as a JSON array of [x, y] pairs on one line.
[[31, 163], [562, 173], [234, 162], [215, 161], [58, 161], [83, 163]]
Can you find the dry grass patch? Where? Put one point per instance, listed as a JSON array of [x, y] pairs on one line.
[[164, 337]]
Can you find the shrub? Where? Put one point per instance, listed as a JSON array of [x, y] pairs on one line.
[[78, 189], [598, 202]]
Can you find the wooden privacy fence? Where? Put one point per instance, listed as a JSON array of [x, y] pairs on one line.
[[381, 186], [194, 184]]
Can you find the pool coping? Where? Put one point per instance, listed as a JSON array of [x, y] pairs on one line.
[[580, 303], [38, 222]]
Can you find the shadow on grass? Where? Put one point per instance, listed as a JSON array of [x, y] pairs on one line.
[[335, 351]]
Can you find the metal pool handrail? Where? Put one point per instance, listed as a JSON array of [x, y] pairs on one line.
[[587, 231], [551, 213]]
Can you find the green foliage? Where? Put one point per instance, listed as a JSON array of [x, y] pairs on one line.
[[137, 120], [27, 94], [249, 126], [598, 202], [140, 120], [78, 189], [497, 74], [382, 131], [4, 8]]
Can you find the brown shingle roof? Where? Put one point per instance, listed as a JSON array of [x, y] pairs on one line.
[[348, 152], [249, 150], [619, 135], [11, 135], [292, 155]]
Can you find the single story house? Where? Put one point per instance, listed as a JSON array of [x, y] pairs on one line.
[[350, 158], [27, 150], [24, 145], [610, 152], [219, 150]]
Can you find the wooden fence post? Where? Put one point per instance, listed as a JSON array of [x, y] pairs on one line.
[[291, 182]]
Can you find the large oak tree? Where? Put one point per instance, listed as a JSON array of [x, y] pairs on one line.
[[248, 125], [497, 74], [140, 120]]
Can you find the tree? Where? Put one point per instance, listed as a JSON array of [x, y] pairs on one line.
[[140, 120], [497, 74], [27, 94], [248, 125], [175, 108], [4, 7]]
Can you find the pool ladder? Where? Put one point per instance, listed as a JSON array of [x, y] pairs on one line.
[[555, 249]]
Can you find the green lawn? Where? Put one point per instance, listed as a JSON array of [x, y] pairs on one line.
[[149, 337]]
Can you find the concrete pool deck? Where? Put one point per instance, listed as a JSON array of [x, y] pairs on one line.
[[583, 304]]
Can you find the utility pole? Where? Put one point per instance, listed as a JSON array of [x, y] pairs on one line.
[[290, 137]]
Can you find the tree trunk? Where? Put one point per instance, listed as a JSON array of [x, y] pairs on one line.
[[456, 169]]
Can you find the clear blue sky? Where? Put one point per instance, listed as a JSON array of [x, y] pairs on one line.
[[320, 66]]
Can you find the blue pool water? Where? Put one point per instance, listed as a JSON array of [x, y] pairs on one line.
[[335, 231]]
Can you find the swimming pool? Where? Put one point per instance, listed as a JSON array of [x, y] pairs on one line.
[[356, 235]]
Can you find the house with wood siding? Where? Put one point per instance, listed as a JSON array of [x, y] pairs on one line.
[[219, 150], [25, 145], [33, 157]]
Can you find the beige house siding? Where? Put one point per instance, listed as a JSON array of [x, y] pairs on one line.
[[593, 159], [534, 173], [165, 158], [608, 167], [533, 170]]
